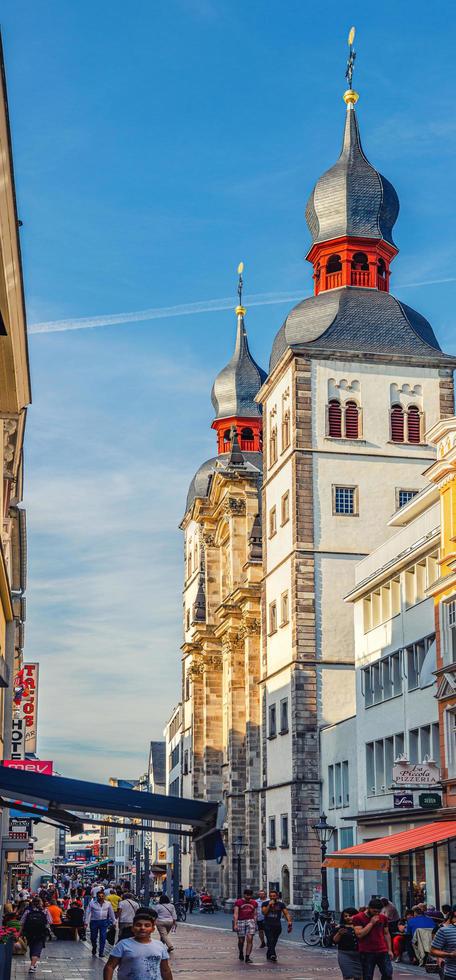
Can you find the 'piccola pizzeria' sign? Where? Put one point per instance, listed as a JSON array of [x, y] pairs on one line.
[[425, 773]]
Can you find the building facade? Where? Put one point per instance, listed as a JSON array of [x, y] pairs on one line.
[[356, 378]]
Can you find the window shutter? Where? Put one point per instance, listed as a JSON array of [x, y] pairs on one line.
[[413, 424], [335, 420], [397, 423], [351, 420]]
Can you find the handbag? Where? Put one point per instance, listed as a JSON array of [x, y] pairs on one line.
[[111, 935], [432, 966]]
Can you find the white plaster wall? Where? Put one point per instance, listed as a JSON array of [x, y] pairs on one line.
[[281, 543], [335, 636], [278, 801], [278, 749], [337, 693], [275, 401], [279, 643]]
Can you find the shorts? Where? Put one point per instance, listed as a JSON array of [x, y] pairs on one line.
[[246, 927], [35, 946]]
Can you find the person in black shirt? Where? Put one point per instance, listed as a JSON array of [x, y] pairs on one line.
[[347, 945], [273, 909]]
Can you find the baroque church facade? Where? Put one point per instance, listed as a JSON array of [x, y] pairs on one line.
[[312, 460]]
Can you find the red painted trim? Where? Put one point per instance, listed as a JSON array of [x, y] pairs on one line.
[[346, 274], [252, 444]]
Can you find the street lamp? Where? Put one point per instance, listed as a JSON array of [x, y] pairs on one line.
[[238, 846], [323, 833]]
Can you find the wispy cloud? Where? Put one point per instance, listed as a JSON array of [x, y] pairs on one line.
[[186, 309]]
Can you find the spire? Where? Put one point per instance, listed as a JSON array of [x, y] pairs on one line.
[[199, 605], [235, 458], [237, 384], [350, 96], [256, 540]]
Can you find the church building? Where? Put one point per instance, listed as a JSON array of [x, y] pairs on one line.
[[356, 378]]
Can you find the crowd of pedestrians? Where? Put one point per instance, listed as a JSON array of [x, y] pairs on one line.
[[376, 936]]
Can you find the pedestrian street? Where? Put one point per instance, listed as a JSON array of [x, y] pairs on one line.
[[204, 951]]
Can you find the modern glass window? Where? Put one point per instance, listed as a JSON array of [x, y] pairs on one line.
[[338, 783], [383, 679], [403, 497], [285, 508], [331, 794], [272, 832], [450, 610], [283, 716], [415, 654], [345, 501], [424, 742], [284, 608], [380, 758], [272, 617], [272, 721], [284, 830], [186, 766], [345, 784]]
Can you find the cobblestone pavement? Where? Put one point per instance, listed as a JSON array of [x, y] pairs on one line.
[[207, 952]]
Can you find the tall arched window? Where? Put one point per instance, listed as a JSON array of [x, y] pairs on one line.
[[351, 420], [397, 423], [381, 268], [286, 429], [333, 264], [360, 262], [273, 446], [227, 435], [335, 420], [413, 424]]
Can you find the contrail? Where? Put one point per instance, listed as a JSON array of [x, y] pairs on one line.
[[186, 309]]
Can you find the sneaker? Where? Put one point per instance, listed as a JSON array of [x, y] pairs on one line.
[[241, 955], [273, 957], [247, 959]]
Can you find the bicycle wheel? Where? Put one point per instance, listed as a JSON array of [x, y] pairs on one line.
[[311, 934]]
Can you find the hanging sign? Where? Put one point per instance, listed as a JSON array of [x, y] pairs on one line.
[[403, 801], [416, 774], [430, 801], [18, 736], [19, 829], [30, 705]]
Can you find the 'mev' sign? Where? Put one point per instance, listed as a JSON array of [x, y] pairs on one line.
[[30, 765]]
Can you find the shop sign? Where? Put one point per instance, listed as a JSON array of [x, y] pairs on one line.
[[403, 801], [18, 736], [30, 705], [19, 829], [30, 765], [416, 774], [430, 801]]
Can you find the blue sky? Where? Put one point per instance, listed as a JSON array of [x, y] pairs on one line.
[[156, 145]]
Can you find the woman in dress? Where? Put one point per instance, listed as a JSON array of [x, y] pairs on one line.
[[347, 946]]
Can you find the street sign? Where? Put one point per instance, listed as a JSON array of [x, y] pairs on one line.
[[403, 801], [430, 801], [19, 828]]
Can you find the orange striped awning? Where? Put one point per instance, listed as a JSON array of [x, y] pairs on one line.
[[377, 854]]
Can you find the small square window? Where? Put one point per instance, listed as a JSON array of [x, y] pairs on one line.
[[344, 501], [272, 617], [285, 508], [284, 608], [272, 721], [403, 497], [272, 522]]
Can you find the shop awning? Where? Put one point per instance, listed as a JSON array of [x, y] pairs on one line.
[[67, 800], [377, 854]]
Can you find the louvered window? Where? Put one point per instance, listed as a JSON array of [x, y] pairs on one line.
[[414, 424], [397, 423], [351, 420], [335, 420]]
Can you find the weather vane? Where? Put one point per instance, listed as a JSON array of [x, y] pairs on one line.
[[351, 58], [240, 281]]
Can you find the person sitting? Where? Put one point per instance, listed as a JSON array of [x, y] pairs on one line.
[[55, 912], [75, 919], [418, 920]]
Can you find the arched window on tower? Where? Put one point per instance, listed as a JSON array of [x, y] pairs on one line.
[[360, 269], [351, 420], [334, 272], [247, 439], [397, 424], [334, 420], [413, 424], [381, 275], [227, 437]]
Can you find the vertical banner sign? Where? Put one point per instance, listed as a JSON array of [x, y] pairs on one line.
[[18, 736], [30, 705]]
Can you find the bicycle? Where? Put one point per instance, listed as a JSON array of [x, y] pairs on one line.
[[181, 913], [320, 931]]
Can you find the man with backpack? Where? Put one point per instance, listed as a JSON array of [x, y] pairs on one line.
[[34, 927]]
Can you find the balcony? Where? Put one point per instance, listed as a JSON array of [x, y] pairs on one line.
[[359, 278], [333, 280]]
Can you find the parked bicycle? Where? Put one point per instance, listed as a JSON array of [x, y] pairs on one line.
[[320, 931]]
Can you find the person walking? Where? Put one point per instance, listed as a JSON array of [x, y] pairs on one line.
[[374, 941], [273, 910], [99, 915], [348, 956], [190, 895], [128, 908], [244, 923], [166, 919], [140, 957], [34, 926], [444, 946], [260, 917]]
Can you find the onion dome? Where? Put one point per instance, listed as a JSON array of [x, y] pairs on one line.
[[200, 485], [359, 321], [235, 387], [352, 198]]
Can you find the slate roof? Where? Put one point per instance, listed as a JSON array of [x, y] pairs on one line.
[[352, 198], [235, 387], [201, 482], [361, 321]]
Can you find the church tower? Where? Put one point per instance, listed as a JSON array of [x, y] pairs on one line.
[[222, 620], [356, 378]]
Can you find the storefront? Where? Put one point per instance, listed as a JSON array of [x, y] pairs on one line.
[[417, 865]]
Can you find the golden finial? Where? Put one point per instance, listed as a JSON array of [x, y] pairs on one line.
[[240, 309], [350, 96]]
